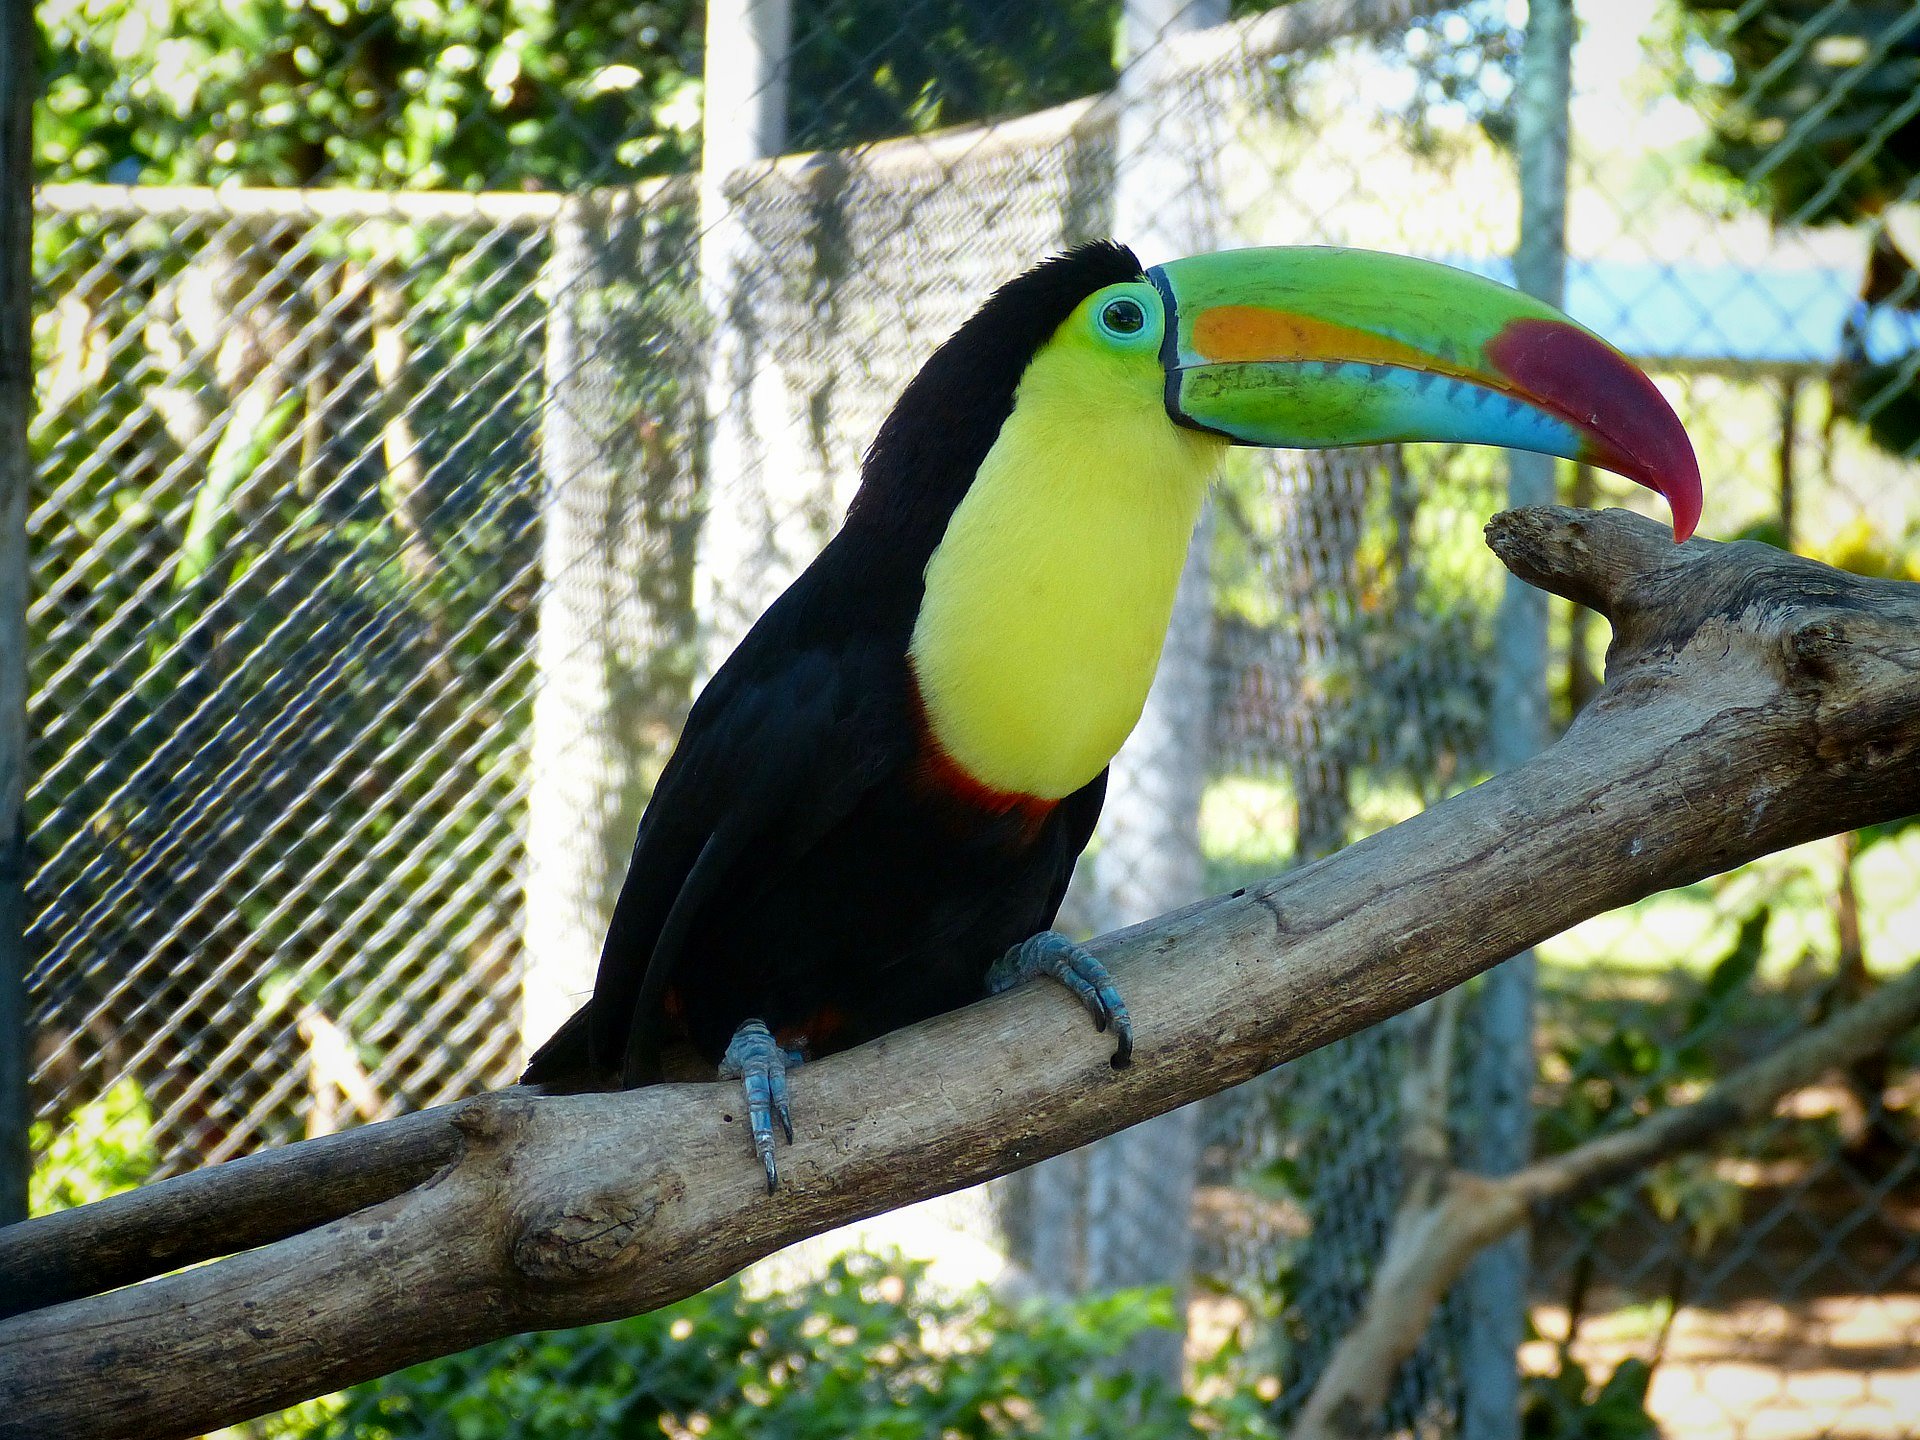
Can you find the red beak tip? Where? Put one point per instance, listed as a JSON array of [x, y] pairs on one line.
[[1686, 499]]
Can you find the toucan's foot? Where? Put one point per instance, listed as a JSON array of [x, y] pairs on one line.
[[1051, 953], [756, 1060]]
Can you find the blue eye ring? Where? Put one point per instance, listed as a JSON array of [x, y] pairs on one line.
[[1125, 317]]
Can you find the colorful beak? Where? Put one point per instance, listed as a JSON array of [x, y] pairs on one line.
[[1307, 347]]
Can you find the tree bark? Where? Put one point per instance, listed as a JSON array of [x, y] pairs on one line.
[[1755, 700]]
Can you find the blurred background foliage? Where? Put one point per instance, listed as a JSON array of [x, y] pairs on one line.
[[426, 94]]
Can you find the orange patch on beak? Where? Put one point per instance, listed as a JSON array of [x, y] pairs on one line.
[[1230, 333]]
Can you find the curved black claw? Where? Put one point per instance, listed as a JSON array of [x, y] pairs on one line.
[[1074, 966], [756, 1060]]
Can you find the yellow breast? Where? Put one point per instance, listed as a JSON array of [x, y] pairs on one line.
[[1048, 598]]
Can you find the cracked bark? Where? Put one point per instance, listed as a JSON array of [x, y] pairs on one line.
[[1754, 700]]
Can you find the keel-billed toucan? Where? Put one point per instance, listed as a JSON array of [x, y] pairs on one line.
[[875, 806]]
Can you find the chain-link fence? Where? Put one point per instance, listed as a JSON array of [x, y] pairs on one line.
[[287, 529], [385, 526]]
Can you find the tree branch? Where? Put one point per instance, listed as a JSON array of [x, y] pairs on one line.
[[223, 1209], [1437, 1233], [1754, 701]]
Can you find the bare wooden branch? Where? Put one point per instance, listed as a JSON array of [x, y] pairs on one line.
[[1436, 1234], [204, 1214], [1754, 701]]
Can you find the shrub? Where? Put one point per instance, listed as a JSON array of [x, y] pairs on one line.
[[869, 1351]]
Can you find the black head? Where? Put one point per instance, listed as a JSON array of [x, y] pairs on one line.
[[932, 444]]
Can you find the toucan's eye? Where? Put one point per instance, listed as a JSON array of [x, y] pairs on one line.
[[1123, 318]]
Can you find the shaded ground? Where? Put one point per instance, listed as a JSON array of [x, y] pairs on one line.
[[1841, 1365], [1803, 1319]]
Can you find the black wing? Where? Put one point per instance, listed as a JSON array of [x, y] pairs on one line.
[[783, 743], [1079, 813]]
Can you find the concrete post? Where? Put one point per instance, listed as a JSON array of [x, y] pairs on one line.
[[757, 532], [613, 651]]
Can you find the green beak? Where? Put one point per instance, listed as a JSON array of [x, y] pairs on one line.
[[1307, 347]]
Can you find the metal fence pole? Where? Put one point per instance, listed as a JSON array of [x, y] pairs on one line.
[[1503, 1072], [16, 468]]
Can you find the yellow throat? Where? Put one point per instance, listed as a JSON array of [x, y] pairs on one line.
[[1047, 599]]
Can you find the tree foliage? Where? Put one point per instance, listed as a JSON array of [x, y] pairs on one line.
[[863, 70], [1813, 103], [420, 93], [871, 1349], [1812, 108]]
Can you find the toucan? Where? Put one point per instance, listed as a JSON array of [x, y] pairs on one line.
[[877, 801]]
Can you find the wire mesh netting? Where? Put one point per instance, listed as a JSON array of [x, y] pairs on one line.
[[289, 517], [384, 531]]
